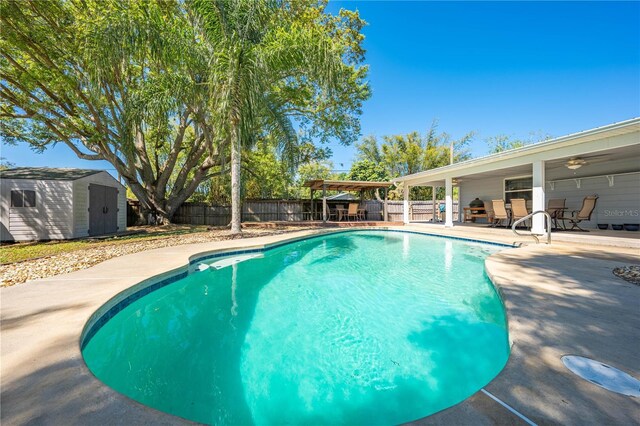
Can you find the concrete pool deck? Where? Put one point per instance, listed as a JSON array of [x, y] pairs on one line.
[[561, 299]]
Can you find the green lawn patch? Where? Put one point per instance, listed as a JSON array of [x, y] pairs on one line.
[[12, 253]]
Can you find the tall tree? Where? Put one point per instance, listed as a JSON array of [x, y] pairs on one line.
[[411, 153], [273, 62], [115, 81]]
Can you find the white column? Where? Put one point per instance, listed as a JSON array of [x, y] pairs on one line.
[[448, 202], [538, 202], [405, 207], [460, 208]]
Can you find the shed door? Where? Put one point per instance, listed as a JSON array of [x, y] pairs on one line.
[[103, 209], [111, 210]]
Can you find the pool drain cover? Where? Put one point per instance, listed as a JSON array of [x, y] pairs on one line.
[[603, 375]]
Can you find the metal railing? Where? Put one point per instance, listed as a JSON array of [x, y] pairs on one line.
[[535, 236]]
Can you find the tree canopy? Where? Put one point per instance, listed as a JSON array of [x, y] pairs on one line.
[[399, 155], [503, 142], [170, 91], [114, 81], [276, 64]]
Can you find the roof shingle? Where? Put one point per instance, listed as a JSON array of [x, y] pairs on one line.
[[46, 173]]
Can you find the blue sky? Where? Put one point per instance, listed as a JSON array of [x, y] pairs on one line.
[[494, 68]]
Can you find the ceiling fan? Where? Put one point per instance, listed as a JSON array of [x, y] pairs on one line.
[[577, 162]]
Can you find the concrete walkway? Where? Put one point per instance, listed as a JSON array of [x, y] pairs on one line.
[[560, 300], [607, 238]]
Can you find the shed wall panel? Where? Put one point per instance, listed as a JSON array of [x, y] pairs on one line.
[[51, 218]]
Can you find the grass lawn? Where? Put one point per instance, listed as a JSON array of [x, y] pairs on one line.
[[11, 253]]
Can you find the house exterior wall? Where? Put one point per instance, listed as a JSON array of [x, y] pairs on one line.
[[81, 202], [486, 189], [617, 204], [51, 218]]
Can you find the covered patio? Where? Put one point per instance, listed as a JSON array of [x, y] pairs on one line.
[[345, 186], [604, 161]]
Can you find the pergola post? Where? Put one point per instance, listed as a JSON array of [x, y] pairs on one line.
[[405, 206], [433, 203], [324, 203], [384, 206], [448, 202], [313, 206], [538, 201]]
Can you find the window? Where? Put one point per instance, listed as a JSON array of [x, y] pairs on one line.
[[23, 198], [518, 187]]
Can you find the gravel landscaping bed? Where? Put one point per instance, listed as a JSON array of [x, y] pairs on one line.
[[628, 273], [20, 272]]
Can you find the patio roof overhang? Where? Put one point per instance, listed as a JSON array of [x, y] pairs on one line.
[[615, 141], [622, 135], [344, 185]]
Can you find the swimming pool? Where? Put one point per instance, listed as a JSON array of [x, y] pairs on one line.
[[361, 327]]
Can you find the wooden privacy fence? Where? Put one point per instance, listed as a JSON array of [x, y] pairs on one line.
[[297, 211], [418, 210], [202, 214]]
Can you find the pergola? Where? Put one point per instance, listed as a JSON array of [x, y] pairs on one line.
[[344, 185]]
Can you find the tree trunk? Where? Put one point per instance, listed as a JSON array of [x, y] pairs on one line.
[[236, 210]]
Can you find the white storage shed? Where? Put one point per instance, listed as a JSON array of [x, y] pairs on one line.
[[40, 203]]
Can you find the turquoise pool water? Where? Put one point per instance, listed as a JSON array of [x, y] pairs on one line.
[[366, 327]]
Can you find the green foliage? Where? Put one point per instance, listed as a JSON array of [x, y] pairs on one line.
[[504, 142], [5, 164], [167, 90], [367, 170], [266, 175], [112, 80], [273, 63], [400, 155]]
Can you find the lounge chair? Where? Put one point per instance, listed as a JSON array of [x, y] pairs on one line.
[[353, 211], [577, 216], [555, 208], [488, 207], [518, 208], [499, 213]]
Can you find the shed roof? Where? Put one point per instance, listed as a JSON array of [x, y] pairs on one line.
[[345, 185], [46, 173]]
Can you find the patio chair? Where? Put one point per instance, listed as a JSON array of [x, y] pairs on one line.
[[361, 213], [332, 213], [353, 211], [577, 216], [518, 209], [555, 208], [499, 213], [488, 208]]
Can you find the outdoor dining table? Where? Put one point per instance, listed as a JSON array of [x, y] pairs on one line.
[[341, 213]]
